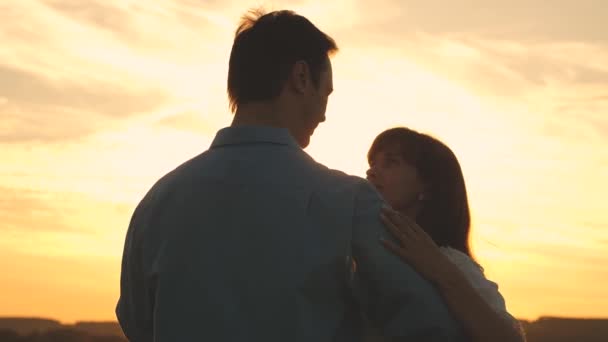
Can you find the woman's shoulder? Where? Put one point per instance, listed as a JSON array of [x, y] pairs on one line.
[[464, 262], [486, 288], [476, 277]]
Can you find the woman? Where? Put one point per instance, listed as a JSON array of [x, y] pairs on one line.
[[421, 180]]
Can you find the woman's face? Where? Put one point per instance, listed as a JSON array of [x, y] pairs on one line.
[[396, 180]]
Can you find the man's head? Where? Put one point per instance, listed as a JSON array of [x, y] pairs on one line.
[[281, 60]]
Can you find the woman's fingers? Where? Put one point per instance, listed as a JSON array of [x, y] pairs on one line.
[[398, 251], [402, 223], [419, 232], [421, 235], [400, 234]]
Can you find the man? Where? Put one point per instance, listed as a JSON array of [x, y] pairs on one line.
[[253, 240]]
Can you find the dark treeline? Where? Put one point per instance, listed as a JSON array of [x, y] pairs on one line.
[[57, 335], [543, 330]]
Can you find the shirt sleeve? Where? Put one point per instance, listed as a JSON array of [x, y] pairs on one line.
[[134, 306], [396, 299]]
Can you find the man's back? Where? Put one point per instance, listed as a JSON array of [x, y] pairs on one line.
[[250, 241]]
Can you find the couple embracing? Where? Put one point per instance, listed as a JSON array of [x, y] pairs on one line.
[[253, 240]]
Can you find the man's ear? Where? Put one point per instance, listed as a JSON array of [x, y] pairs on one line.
[[300, 76]]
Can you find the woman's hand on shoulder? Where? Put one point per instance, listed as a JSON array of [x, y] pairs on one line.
[[414, 246]]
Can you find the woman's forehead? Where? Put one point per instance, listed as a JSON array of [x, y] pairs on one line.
[[395, 150], [390, 149]]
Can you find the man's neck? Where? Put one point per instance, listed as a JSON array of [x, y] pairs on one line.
[[258, 114], [267, 114]]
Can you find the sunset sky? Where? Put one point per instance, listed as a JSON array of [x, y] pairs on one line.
[[100, 98]]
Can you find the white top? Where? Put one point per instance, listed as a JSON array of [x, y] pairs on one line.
[[473, 272], [487, 289]]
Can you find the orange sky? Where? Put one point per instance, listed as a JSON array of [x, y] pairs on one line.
[[98, 99]]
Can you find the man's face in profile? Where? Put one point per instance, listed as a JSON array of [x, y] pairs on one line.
[[317, 104]]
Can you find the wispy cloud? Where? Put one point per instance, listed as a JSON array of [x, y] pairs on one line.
[[35, 108], [70, 69], [29, 210], [520, 20]]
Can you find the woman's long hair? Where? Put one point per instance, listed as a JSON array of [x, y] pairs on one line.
[[444, 212]]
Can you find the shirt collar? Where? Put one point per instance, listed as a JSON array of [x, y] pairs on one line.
[[240, 135]]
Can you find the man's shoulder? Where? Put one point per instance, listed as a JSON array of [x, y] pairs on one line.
[[337, 178], [303, 170], [336, 184], [173, 179]]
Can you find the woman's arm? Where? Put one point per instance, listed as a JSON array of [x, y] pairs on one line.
[[481, 321], [478, 318]]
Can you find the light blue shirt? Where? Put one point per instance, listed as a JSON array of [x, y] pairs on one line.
[[253, 241]]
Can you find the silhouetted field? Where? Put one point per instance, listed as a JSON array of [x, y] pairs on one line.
[[46, 330], [550, 329], [546, 329]]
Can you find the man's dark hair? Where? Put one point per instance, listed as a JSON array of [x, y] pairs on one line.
[[265, 49]]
